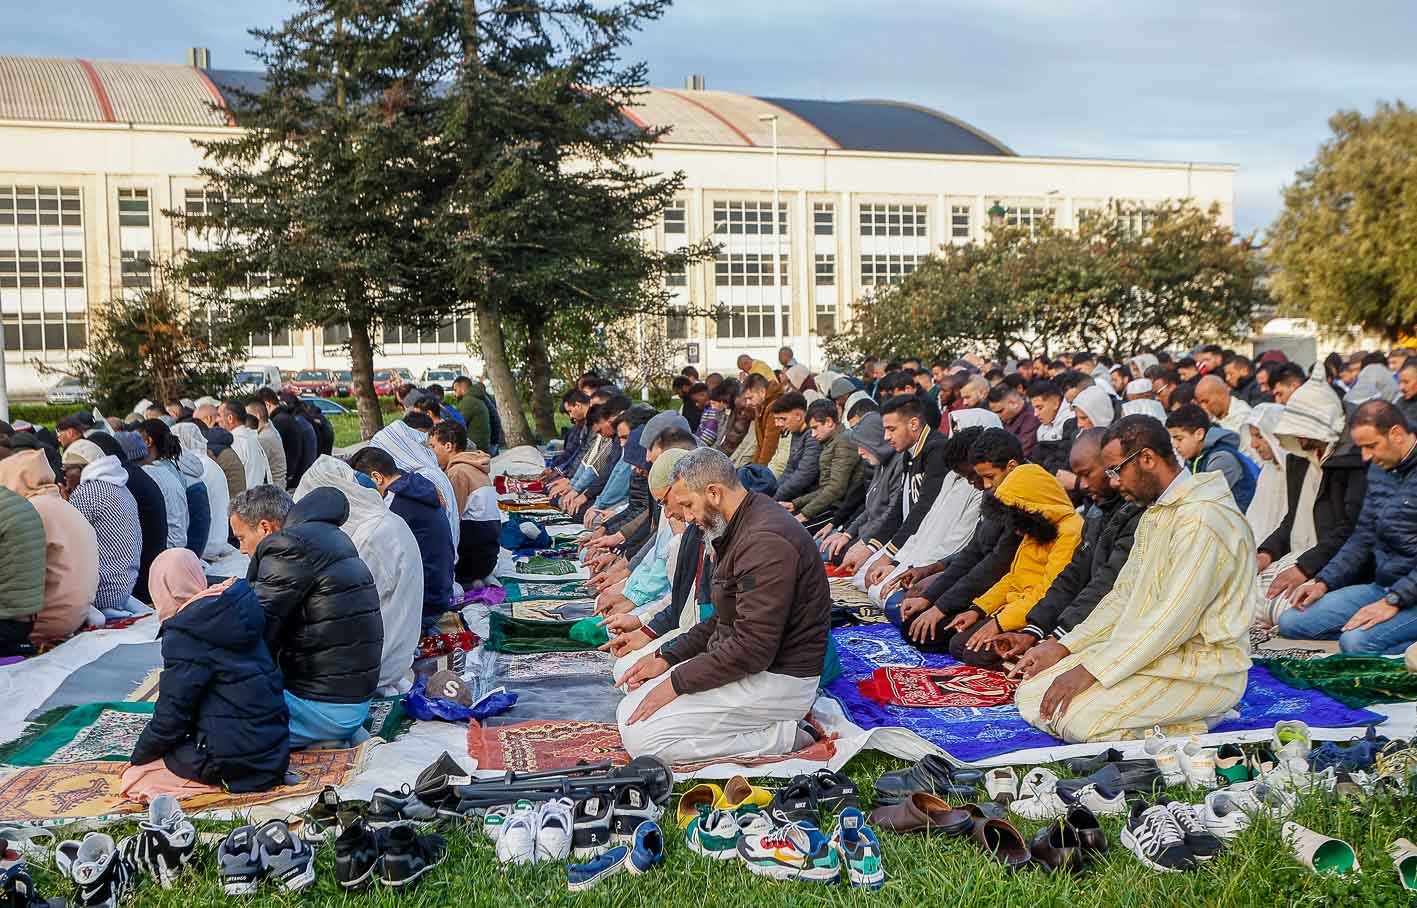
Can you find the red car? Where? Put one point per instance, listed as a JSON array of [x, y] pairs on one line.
[[386, 382], [316, 382]]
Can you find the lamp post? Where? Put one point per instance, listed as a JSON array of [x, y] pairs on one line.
[[777, 275]]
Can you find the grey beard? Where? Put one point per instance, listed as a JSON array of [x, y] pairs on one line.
[[715, 527]]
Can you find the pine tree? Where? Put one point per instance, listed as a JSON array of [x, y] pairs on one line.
[[327, 193]]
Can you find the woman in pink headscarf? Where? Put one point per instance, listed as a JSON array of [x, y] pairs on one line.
[[220, 718]]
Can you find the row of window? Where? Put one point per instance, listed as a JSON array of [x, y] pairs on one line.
[[751, 321], [40, 206], [754, 218]]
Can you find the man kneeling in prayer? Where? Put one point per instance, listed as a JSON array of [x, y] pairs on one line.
[[740, 683], [1169, 645]]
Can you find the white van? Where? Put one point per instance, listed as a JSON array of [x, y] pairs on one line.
[[253, 378]]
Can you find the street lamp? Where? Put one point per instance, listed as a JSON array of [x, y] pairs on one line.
[[776, 236], [997, 212]]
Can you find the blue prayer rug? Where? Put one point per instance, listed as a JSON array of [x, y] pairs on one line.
[[969, 734]]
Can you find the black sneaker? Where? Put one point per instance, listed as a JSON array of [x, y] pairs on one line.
[[633, 806], [590, 834], [408, 855], [1203, 843], [388, 807], [795, 802], [100, 874], [1151, 833], [435, 785], [165, 843], [356, 856], [834, 791], [328, 816], [286, 858], [239, 862], [17, 888]]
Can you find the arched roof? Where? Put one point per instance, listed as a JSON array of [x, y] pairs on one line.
[[83, 91]]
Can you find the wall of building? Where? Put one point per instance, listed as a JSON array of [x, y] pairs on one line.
[[908, 204]]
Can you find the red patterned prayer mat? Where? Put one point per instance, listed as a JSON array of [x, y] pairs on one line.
[[443, 644], [935, 687], [836, 570], [562, 743], [507, 485]]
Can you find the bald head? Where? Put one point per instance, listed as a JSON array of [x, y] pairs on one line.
[[206, 414], [1213, 394]]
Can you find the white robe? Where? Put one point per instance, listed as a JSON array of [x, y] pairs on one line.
[[247, 444]]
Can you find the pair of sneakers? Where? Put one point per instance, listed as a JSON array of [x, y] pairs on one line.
[[1169, 836], [396, 854], [1191, 764], [801, 851], [527, 833], [643, 851], [1042, 798], [251, 854], [604, 821], [103, 872]]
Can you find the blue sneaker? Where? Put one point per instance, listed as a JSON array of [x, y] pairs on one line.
[[580, 877], [648, 849], [860, 850]]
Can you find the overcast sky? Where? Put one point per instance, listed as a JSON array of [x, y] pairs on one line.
[[1246, 83]]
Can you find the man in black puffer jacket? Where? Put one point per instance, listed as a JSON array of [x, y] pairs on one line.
[[323, 624]]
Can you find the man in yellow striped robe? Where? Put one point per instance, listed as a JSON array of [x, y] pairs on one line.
[[1169, 646]]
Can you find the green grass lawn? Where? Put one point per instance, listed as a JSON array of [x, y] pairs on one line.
[[924, 872]]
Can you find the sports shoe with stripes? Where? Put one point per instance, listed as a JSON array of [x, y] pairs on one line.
[[165, 843], [100, 874], [1151, 833]]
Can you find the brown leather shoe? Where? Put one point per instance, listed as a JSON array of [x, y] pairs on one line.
[[963, 819], [1056, 847], [1001, 841], [1091, 838], [918, 813]]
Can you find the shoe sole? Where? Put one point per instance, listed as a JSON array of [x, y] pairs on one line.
[[700, 850], [241, 888], [409, 880], [1128, 840], [361, 881], [784, 873], [871, 882], [592, 882]]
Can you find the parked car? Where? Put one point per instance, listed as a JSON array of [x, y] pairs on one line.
[[386, 382], [70, 390], [325, 405], [253, 378], [444, 377], [344, 382], [315, 382]]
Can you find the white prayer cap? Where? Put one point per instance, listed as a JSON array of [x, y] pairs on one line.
[[1139, 386]]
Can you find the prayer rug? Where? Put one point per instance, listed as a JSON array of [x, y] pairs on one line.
[[553, 609], [1351, 680], [110, 731], [523, 590], [507, 485], [146, 692], [845, 592], [117, 674], [514, 635], [442, 644], [858, 613], [50, 795], [1265, 643], [932, 688], [551, 745], [536, 666], [978, 733], [540, 564]]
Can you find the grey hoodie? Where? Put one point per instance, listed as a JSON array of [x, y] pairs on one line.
[[883, 493]]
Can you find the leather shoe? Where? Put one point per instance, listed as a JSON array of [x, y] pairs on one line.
[[1085, 766], [933, 775], [1056, 847], [1133, 777], [921, 812], [1083, 822], [1001, 841], [962, 820]]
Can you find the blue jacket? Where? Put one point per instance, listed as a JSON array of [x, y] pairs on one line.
[[199, 514], [220, 688], [571, 453], [1221, 454], [1384, 545], [416, 501]]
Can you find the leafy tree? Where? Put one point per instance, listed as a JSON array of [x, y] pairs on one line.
[[151, 346], [1345, 245], [327, 194], [547, 195]]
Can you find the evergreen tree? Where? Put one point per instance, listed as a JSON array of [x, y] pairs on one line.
[[327, 193]]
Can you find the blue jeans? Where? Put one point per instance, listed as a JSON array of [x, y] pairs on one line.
[[312, 721], [1324, 620]]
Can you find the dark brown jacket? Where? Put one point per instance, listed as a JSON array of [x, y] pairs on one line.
[[766, 429], [771, 605], [737, 427]]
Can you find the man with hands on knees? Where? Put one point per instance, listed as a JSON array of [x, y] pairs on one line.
[[1370, 609], [741, 682], [1169, 645]]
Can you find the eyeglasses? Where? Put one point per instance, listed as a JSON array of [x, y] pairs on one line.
[[1115, 473]]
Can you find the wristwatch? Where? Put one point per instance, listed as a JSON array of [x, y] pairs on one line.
[[1392, 599]]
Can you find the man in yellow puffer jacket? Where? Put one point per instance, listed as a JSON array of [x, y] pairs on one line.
[[1050, 529]]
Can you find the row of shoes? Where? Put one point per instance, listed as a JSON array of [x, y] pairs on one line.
[[801, 799], [104, 872]]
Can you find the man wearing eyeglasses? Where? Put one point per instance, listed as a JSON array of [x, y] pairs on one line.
[[1169, 646]]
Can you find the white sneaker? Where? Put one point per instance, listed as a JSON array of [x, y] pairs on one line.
[[516, 843], [1100, 801], [1167, 756], [1198, 764], [494, 819], [1295, 755], [1042, 805], [1226, 813], [1001, 784], [555, 821]]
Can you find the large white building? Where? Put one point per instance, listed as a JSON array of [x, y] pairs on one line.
[[92, 153]]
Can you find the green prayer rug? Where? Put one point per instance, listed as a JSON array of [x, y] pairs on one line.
[[110, 732], [518, 635], [1351, 680], [551, 567], [523, 590]]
